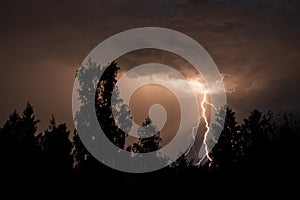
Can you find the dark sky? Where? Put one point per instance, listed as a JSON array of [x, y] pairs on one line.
[[42, 43]]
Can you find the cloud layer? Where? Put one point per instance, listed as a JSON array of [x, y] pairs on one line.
[[44, 42]]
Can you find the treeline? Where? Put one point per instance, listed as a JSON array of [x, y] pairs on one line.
[[264, 145]]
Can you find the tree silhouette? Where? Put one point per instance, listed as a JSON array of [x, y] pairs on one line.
[[115, 118], [80, 153], [56, 147], [146, 144], [106, 94], [228, 152], [257, 130], [104, 107], [18, 145]]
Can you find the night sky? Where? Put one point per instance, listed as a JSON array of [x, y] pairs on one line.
[[44, 42]]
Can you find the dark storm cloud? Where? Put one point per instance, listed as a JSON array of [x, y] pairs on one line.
[[257, 43], [43, 42]]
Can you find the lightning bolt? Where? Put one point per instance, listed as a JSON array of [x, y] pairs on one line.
[[203, 115], [203, 102], [194, 132]]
